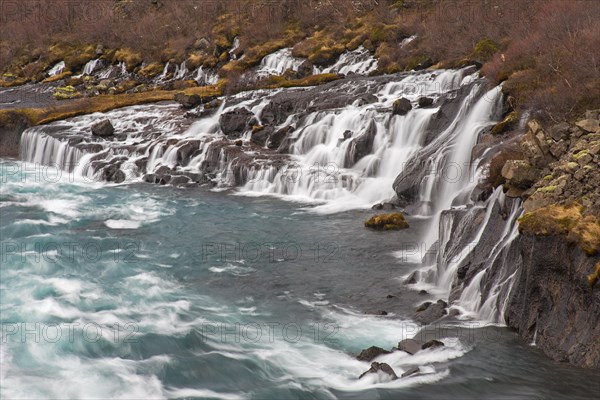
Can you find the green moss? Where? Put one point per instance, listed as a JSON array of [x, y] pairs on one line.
[[484, 49], [506, 124], [580, 154], [550, 220], [547, 177], [66, 93], [386, 222], [547, 189], [564, 220]]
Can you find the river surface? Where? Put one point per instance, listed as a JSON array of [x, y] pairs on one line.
[[140, 291]]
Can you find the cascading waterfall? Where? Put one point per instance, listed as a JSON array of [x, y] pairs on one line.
[[325, 171], [341, 156], [57, 69], [278, 62], [359, 61]]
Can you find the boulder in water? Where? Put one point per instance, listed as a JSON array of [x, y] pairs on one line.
[[383, 367], [277, 138], [113, 173], [103, 128], [411, 371], [386, 222], [425, 102], [401, 106], [411, 346], [432, 344], [371, 353], [429, 312]]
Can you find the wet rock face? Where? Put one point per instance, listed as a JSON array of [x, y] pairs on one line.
[[380, 367], [235, 122], [411, 346], [430, 312], [103, 129], [371, 353], [551, 296], [361, 145]]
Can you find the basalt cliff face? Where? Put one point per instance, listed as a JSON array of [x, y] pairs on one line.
[[529, 256]]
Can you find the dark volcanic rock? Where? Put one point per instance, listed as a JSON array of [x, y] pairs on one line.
[[425, 102], [432, 344], [305, 69], [411, 371], [113, 173], [103, 128], [401, 106], [411, 346], [383, 367], [551, 296], [260, 136], [235, 122], [188, 101], [361, 145], [430, 312], [278, 137], [371, 353]]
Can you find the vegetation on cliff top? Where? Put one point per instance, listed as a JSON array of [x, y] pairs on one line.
[[568, 221], [543, 50]]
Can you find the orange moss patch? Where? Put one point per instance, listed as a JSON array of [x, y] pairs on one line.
[[386, 222]]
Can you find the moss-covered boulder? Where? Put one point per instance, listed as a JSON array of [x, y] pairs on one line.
[[387, 222]]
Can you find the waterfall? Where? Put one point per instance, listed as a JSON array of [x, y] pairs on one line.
[[57, 69], [234, 47], [278, 62], [42, 149], [359, 61], [343, 148], [180, 71], [164, 72], [324, 166], [206, 77]]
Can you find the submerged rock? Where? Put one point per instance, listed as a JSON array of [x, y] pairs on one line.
[[411, 371], [103, 128], [380, 367], [371, 353], [393, 221]]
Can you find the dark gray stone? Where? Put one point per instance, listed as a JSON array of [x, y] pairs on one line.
[[383, 367], [371, 353], [103, 128]]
